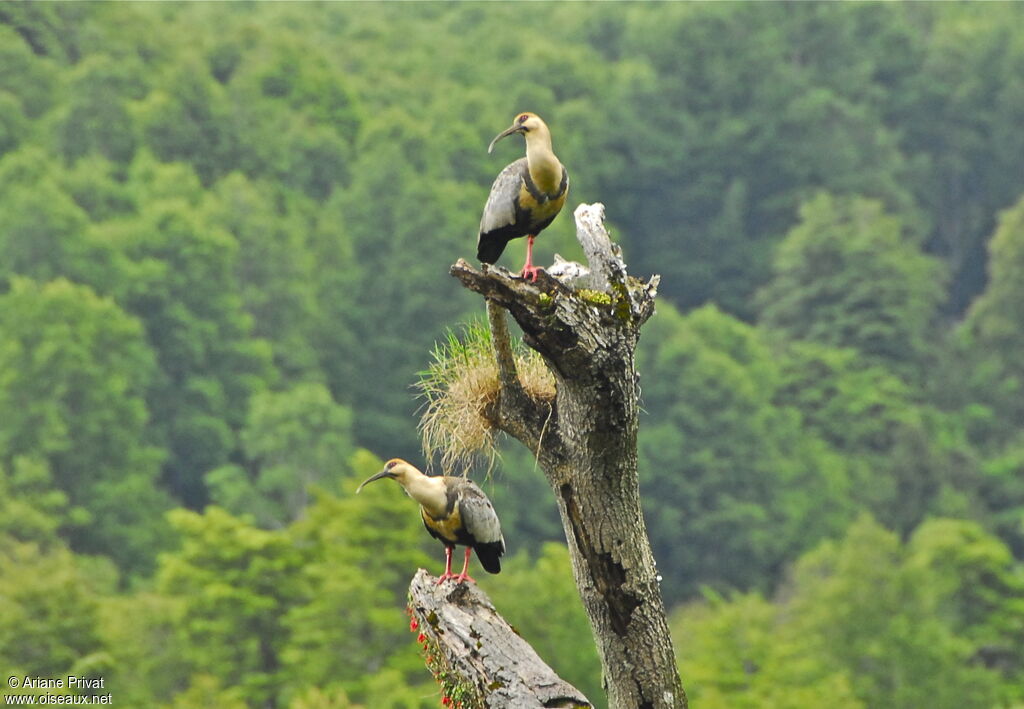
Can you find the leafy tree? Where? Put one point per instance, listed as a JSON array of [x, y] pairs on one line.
[[236, 583], [293, 439], [399, 315], [860, 605], [980, 585], [865, 620], [1002, 489], [150, 660], [905, 459], [726, 162], [32, 80], [97, 118], [734, 653], [176, 273], [276, 267], [955, 103], [352, 633], [42, 225], [849, 276], [75, 369], [738, 484], [992, 333], [32, 510], [49, 624], [13, 123], [206, 691], [190, 120]]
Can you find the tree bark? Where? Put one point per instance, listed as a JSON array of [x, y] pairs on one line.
[[486, 663], [586, 444]]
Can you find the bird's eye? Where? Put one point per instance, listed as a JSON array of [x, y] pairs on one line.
[[522, 118], [390, 465]]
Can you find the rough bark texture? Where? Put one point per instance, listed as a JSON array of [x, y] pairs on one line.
[[493, 665], [586, 444]]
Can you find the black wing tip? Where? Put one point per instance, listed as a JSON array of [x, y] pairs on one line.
[[490, 556], [489, 250]]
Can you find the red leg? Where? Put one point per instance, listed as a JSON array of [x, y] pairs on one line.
[[447, 567], [529, 270], [464, 576]]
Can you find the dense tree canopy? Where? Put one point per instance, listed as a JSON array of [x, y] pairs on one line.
[[224, 237]]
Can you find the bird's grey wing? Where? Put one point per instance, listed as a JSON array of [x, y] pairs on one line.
[[500, 210], [478, 515]]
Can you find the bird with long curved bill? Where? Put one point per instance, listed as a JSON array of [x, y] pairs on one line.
[[526, 196], [455, 511]]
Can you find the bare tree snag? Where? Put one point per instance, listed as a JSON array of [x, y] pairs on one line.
[[585, 442], [493, 666]]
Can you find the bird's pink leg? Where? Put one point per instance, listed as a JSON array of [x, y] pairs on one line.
[[529, 270], [464, 576], [447, 567]]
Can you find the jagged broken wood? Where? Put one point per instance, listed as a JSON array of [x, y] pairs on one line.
[[486, 662], [586, 326]]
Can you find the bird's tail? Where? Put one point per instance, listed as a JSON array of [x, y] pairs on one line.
[[489, 248], [490, 556]]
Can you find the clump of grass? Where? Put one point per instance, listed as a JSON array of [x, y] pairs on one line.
[[458, 386]]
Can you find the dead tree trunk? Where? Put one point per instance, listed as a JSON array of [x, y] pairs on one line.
[[586, 443], [485, 661]]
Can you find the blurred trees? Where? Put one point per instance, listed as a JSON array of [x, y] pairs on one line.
[[75, 369], [224, 234], [866, 621], [849, 276], [734, 474]]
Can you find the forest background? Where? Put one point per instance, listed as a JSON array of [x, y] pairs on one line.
[[225, 231]]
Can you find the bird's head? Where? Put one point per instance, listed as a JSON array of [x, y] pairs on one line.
[[529, 124], [396, 469]]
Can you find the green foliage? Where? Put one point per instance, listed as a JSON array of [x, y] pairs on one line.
[[49, 621], [905, 459], [364, 550], [732, 654], [848, 276], [224, 232], [740, 486], [861, 623], [175, 272], [236, 583], [860, 605], [74, 369], [993, 331], [292, 440], [31, 508]]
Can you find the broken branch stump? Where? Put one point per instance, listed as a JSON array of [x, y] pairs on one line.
[[477, 656]]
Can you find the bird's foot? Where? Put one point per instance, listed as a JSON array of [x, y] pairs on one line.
[[458, 578], [530, 273]]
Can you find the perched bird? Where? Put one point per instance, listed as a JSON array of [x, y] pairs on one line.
[[526, 196], [455, 511]]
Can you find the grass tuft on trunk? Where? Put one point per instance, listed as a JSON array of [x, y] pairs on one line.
[[459, 385]]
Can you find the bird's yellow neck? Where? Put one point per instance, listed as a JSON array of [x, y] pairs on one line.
[[429, 492], [545, 169]]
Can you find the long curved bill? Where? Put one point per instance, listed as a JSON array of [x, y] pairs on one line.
[[504, 134], [378, 476]]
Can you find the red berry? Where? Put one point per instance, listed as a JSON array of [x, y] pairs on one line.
[[446, 700], [413, 625], [421, 637]]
